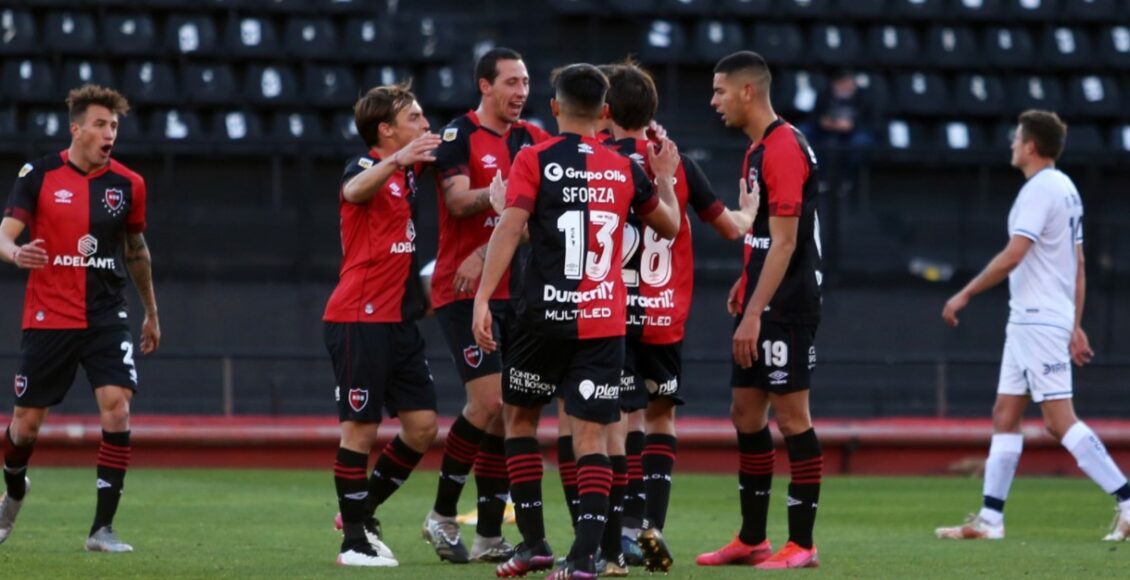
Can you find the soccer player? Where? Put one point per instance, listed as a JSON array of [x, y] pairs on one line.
[[370, 320], [574, 194], [1043, 262], [86, 215], [776, 302], [476, 146]]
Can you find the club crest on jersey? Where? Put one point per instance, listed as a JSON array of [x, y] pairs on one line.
[[473, 356], [21, 385], [358, 398], [753, 176], [114, 200], [450, 133]]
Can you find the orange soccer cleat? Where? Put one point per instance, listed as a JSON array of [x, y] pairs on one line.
[[736, 552]]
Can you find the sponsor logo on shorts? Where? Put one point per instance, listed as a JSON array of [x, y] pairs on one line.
[[358, 398], [627, 381], [811, 357], [1054, 368], [473, 356], [778, 377], [669, 387], [21, 385], [528, 382], [590, 390]]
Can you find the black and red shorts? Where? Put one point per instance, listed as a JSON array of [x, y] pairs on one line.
[[378, 365], [470, 360], [49, 360], [786, 358]]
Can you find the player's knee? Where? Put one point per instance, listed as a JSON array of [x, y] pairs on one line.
[[482, 410], [421, 435], [25, 432], [745, 419]]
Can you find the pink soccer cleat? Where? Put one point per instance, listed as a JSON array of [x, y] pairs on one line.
[[736, 552], [791, 556]]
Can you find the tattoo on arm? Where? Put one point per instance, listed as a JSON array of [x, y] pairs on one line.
[[139, 264]]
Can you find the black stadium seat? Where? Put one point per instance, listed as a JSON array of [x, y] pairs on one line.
[[425, 39], [960, 136], [76, 73], [1094, 96], [783, 42], [446, 87], [795, 92], [384, 75], [9, 129], [310, 37], [1008, 46], [891, 44], [175, 125], [1032, 9], [746, 7], [1036, 92], [1066, 47], [806, 8], [270, 84], [236, 126], [920, 9], [70, 32], [575, 6], [630, 7], [17, 32], [347, 6], [876, 90], [663, 41], [27, 80], [1120, 137], [208, 83], [868, 9], [47, 124], [369, 39], [149, 82], [977, 9], [714, 39], [979, 94], [285, 5], [952, 46], [919, 93], [329, 85], [191, 35], [694, 7], [295, 126], [1083, 141], [835, 45], [343, 131], [903, 135], [251, 36], [129, 34], [1114, 46], [1092, 10]]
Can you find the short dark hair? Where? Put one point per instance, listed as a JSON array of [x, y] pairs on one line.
[[78, 100], [749, 62], [580, 89], [380, 105], [487, 65], [1044, 129], [632, 98]]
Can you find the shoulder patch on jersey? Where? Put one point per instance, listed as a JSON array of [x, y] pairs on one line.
[[450, 133], [26, 169], [365, 162]]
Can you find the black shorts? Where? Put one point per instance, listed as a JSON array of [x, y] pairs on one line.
[[660, 367], [49, 360], [586, 372], [378, 365], [470, 360], [786, 358]]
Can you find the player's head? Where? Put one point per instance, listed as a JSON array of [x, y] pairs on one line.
[[632, 98], [94, 112], [504, 83], [1039, 136], [741, 82], [389, 116], [579, 92]]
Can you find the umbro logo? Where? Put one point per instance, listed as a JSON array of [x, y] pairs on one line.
[[460, 479], [63, 196], [778, 377], [102, 484], [357, 496], [489, 161], [584, 148]]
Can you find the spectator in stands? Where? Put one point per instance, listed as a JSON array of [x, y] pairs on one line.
[[841, 129]]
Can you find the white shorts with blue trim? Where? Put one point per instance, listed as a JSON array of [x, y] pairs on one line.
[[1036, 362]]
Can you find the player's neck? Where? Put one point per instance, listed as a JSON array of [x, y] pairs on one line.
[[582, 127], [387, 150], [78, 160], [759, 120], [491, 121], [619, 133], [1038, 166]]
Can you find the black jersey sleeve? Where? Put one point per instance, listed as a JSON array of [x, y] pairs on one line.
[[25, 193], [454, 151], [700, 193]]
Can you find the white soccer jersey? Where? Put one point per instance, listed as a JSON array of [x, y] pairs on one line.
[[1048, 211]]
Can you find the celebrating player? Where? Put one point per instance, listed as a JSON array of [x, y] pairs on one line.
[[1043, 262], [86, 215], [776, 302]]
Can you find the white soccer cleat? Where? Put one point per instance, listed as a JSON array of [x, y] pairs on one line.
[[1120, 529], [9, 509], [365, 556], [105, 540], [974, 528], [495, 549], [373, 535], [443, 534]]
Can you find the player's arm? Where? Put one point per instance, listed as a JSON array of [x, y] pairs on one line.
[[783, 241], [30, 255], [733, 224], [994, 273], [460, 199], [500, 251], [139, 263], [1080, 346], [664, 161], [366, 184]]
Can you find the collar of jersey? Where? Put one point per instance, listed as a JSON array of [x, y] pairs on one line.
[[65, 154]]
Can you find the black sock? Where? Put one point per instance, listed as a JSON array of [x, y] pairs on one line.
[[16, 458], [610, 542], [594, 483], [658, 463], [524, 464], [1123, 493], [352, 491], [755, 475], [635, 498], [493, 485], [459, 454], [567, 466], [807, 465], [113, 461], [394, 465]]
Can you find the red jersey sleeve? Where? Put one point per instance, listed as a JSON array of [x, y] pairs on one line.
[[784, 170], [525, 179], [135, 220], [25, 194]]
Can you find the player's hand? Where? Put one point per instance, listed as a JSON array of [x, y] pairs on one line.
[[748, 199], [467, 275], [733, 301], [30, 256], [150, 334], [745, 341], [1081, 352], [481, 326], [498, 193], [420, 150], [655, 131], [954, 305], [663, 158]]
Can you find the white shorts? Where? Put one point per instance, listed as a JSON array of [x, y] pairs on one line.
[[1036, 362]]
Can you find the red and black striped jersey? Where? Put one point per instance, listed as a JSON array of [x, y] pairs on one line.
[[378, 280], [783, 165], [83, 219], [578, 193], [477, 152], [659, 273]]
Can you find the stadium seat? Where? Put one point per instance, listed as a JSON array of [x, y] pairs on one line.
[[782, 41], [1120, 137], [835, 45], [977, 9], [919, 93], [664, 41], [129, 34], [1002, 134], [47, 124], [875, 89], [310, 37], [630, 7], [76, 73], [1032, 9], [285, 5], [952, 46], [960, 136], [714, 39], [979, 94], [70, 32], [1114, 46], [270, 84], [694, 7], [347, 6], [175, 125], [1036, 92], [150, 82], [863, 9], [1008, 46], [191, 35], [129, 128], [574, 6], [251, 36], [208, 83], [920, 9], [891, 44], [425, 39], [745, 7], [902, 135], [795, 92], [369, 39], [1094, 96], [806, 8], [1066, 47], [343, 131], [9, 130], [1083, 141], [384, 75], [296, 127], [28, 80], [1092, 10], [447, 87], [17, 32], [236, 127], [329, 85]]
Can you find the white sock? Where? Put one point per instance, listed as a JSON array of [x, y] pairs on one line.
[[1092, 457], [1000, 469]]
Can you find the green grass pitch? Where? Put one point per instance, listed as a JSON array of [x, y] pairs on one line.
[[278, 524]]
